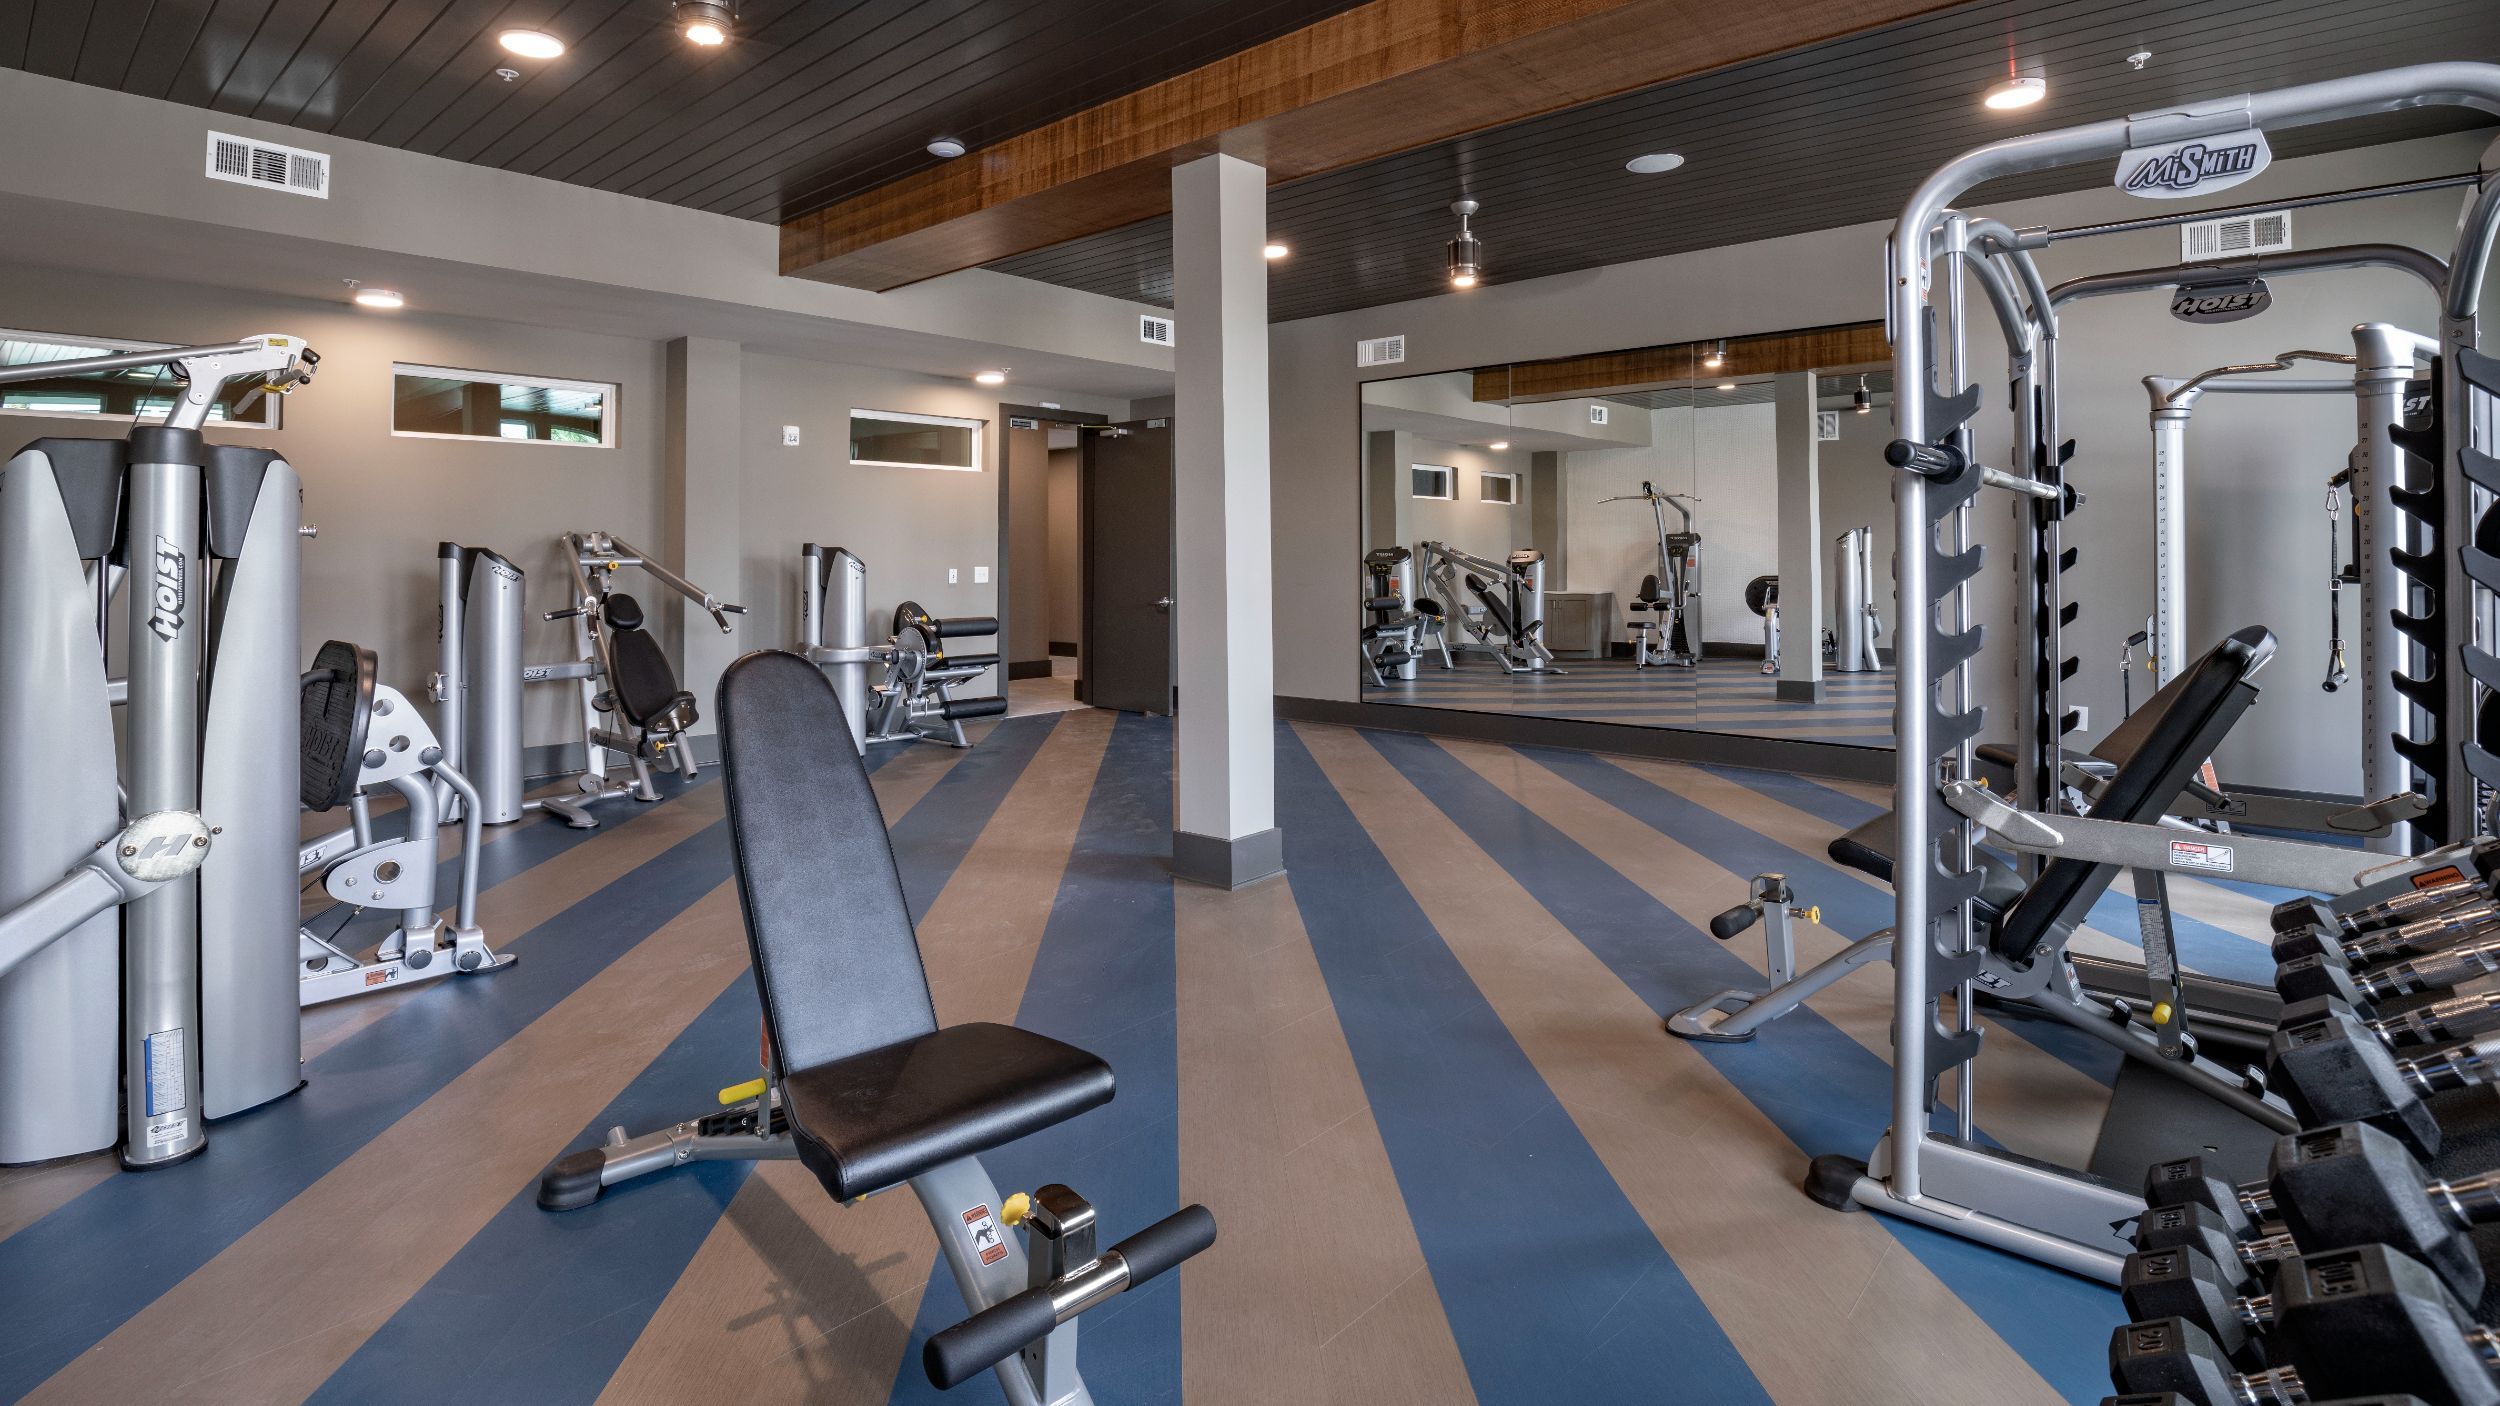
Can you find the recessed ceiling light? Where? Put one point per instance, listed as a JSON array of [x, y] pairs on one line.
[[992, 378], [704, 23], [1499, 444], [2016, 92], [1727, 385], [1276, 251], [1653, 163], [531, 43], [379, 298], [948, 148], [1718, 355]]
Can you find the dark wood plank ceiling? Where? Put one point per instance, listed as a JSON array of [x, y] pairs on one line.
[[814, 100], [1830, 135]]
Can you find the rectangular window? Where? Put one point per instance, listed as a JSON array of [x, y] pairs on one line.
[[893, 439], [1435, 481], [442, 402], [1497, 488], [141, 393]]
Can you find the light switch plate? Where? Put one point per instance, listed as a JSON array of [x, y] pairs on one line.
[[953, 575], [790, 436], [980, 576]]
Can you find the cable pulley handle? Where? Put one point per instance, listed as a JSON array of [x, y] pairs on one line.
[[562, 614], [1925, 460]]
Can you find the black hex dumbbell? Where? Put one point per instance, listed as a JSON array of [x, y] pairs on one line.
[[2441, 969], [2337, 1070], [2437, 929], [2442, 1022], [2347, 1184], [2184, 1282], [2171, 1357], [2434, 882], [2249, 1260]]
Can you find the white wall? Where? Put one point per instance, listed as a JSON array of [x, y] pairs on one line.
[[2243, 512]]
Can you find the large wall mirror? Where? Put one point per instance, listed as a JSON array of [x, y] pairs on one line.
[[1693, 536]]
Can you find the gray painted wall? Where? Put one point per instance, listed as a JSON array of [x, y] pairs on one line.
[[2254, 505]]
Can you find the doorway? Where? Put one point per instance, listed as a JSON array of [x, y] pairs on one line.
[[1126, 504], [1041, 596]]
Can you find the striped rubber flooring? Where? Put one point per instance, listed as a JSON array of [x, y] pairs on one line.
[[1420, 1080], [1721, 695]]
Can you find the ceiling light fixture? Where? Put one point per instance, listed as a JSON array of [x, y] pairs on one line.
[[1498, 445], [992, 378], [2016, 93], [1727, 385], [1653, 164], [376, 297], [704, 22], [948, 148], [1466, 251], [531, 43], [1273, 251], [1862, 403], [2139, 58], [1718, 355]]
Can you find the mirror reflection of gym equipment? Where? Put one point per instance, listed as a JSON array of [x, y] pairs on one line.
[[1602, 538]]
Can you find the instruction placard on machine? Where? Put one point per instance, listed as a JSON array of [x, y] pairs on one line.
[[983, 1228], [162, 1053], [2200, 856]]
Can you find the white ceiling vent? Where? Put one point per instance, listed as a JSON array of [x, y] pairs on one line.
[[1380, 351], [2236, 236], [255, 163], [1156, 331]]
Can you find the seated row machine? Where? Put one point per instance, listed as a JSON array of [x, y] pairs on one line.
[[861, 1084]]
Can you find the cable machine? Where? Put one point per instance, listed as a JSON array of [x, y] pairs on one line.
[[1672, 594]]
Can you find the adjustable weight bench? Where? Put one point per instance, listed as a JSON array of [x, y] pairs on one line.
[[861, 1084]]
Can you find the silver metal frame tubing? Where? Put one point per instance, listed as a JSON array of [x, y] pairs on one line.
[[2046, 1213]]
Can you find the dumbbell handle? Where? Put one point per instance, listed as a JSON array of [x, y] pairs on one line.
[[2457, 1018], [2432, 932], [2454, 1066], [2473, 1200], [2439, 970]]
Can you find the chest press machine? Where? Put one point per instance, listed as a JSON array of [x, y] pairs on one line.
[[861, 1084], [1507, 624]]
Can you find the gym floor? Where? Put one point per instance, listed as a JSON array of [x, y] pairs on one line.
[[1721, 695], [1420, 1079]]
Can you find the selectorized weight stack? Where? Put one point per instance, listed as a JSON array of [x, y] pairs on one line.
[[915, 701], [147, 950]]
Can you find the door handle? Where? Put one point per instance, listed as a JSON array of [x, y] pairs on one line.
[[1164, 605]]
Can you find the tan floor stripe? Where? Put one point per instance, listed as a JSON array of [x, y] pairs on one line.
[[2030, 1100], [1714, 1179], [1318, 1293], [279, 1310], [508, 911], [28, 1194], [793, 1297]]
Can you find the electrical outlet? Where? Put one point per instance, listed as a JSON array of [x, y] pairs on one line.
[[980, 576], [790, 436], [2083, 718], [953, 575]]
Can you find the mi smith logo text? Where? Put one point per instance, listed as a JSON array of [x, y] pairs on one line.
[[172, 575], [2193, 165]]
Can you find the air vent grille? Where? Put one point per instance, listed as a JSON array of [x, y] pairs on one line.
[[254, 163], [2236, 236], [1156, 331], [1380, 351]]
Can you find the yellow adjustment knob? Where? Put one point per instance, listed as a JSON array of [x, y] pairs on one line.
[[1815, 914], [1015, 1210], [740, 1093], [2161, 1013]]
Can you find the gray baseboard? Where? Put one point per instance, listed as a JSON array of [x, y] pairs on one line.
[[1228, 864], [1873, 764], [1028, 668], [1063, 648], [1798, 691]]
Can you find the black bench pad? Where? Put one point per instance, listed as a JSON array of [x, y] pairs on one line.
[[873, 1120], [1868, 849]]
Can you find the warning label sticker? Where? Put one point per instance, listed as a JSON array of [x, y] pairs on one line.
[[162, 1053], [983, 1228], [2197, 855], [2434, 878]]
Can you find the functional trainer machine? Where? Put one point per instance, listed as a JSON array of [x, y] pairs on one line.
[[1507, 623], [631, 705], [915, 700], [1671, 595], [358, 734], [1396, 623], [147, 957], [860, 1082], [1949, 1179], [1856, 627]]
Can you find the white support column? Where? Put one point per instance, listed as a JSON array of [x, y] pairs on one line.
[[700, 469], [1800, 540], [1224, 832]]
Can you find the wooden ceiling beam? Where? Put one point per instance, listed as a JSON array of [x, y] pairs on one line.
[[1679, 363], [1381, 78]]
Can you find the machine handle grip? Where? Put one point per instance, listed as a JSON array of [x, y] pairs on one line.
[[1927, 460], [956, 1355], [1734, 921], [561, 614], [1166, 1243]]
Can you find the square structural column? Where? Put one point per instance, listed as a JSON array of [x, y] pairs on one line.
[[699, 536], [1800, 538], [1224, 829]]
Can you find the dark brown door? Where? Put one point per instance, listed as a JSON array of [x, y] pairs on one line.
[[1128, 567]]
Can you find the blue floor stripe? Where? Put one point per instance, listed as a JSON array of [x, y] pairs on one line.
[[549, 1304], [1822, 1089], [1103, 978], [69, 1279], [1539, 1259]]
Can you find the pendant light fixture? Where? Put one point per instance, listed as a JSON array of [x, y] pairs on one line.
[[1466, 251], [1862, 403]]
